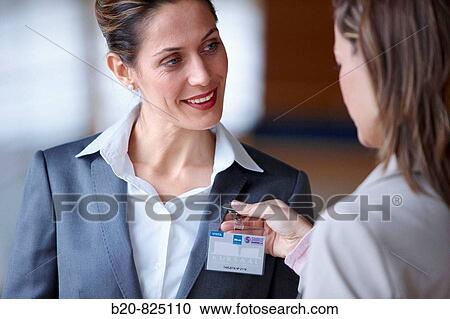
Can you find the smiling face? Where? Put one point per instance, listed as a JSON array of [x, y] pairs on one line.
[[357, 91], [182, 66]]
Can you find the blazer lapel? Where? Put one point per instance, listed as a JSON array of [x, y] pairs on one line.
[[115, 232], [228, 185]]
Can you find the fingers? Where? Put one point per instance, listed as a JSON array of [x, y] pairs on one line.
[[247, 225], [228, 217], [264, 210], [246, 231], [251, 210], [227, 226]]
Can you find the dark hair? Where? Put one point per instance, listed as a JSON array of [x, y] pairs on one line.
[[121, 22], [407, 46]]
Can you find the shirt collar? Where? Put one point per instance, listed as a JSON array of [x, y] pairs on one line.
[[113, 142]]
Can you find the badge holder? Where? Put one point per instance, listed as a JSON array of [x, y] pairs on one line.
[[238, 253]]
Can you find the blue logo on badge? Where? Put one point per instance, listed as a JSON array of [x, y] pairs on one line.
[[237, 239], [257, 241], [216, 234]]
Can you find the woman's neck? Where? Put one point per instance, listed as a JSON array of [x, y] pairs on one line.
[[167, 149]]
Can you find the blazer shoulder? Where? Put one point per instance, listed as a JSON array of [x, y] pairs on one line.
[[70, 149]]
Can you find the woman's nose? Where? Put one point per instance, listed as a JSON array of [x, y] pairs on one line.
[[198, 73]]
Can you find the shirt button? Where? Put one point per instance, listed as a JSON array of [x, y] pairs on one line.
[[159, 208], [171, 207]]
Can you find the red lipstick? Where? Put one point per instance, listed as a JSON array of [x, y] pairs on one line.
[[204, 101]]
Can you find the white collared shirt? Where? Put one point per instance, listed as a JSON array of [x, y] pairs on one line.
[[161, 249]]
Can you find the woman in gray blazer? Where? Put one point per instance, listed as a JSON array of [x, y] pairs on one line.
[[391, 237], [127, 213]]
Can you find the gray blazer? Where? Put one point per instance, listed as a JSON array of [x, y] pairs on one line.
[[77, 258], [406, 255]]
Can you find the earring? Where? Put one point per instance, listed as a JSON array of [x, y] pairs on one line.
[[137, 93]]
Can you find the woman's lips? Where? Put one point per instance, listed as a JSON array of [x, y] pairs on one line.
[[203, 102]]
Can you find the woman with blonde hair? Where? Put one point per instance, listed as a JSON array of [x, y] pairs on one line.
[[391, 237]]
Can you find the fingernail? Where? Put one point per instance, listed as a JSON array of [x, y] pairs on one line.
[[237, 204]]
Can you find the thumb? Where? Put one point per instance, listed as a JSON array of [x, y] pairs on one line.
[[237, 205], [256, 210]]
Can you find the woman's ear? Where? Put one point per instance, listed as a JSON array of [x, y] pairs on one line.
[[120, 70]]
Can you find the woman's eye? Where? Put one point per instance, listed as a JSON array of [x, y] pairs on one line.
[[172, 62], [212, 47]]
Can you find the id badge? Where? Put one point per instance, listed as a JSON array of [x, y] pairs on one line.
[[237, 253]]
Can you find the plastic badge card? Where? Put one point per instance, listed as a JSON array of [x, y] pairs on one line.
[[238, 253]]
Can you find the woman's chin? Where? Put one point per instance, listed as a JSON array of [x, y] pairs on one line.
[[367, 141], [210, 124], [205, 122]]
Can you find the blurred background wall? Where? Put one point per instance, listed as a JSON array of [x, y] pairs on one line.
[[282, 95]]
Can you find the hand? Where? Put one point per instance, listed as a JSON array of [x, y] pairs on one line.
[[282, 226]]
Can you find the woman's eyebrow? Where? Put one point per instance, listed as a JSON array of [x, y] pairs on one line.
[[179, 48], [209, 33]]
